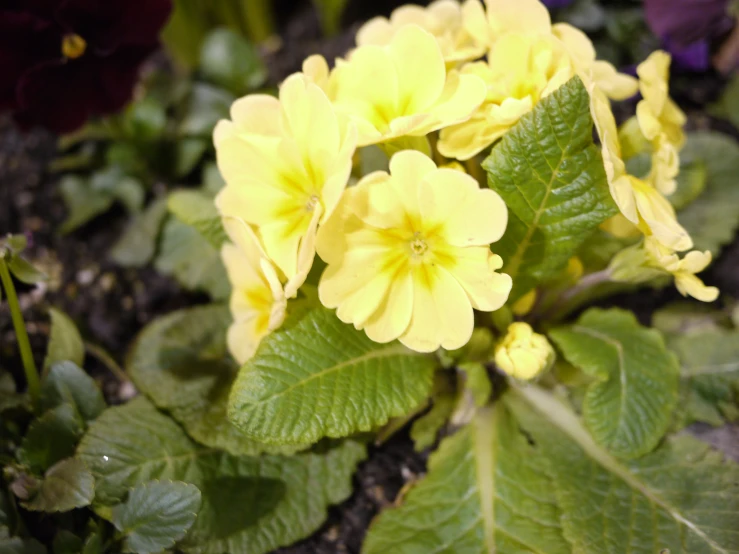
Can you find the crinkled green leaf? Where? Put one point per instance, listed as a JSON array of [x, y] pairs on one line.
[[192, 260], [181, 362], [230, 61], [198, 210], [67, 485], [709, 375], [250, 505], [318, 377], [485, 491], [713, 218], [51, 438], [65, 341], [156, 515], [137, 245], [629, 406], [683, 498], [551, 176], [66, 383]]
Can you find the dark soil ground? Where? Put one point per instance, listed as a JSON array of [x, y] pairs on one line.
[[111, 305]]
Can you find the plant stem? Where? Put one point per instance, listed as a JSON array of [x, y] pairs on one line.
[[29, 366]]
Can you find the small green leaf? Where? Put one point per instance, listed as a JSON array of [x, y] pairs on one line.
[[691, 182], [681, 498], [66, 542], [250, 505], [551, 176], [181, 362], [229, 61], [713, 218], [727, 106], [137, 246], [629, 407], [130, 192], [318, 377], [83, 203], [198, 210], [425, 428], [17, 545], [486, 490], [207, 105], [212, 180], [145, 120], [24, 271], [16, 243], [685, 316], [156, 515], [65, 341], [51, 438], [66, 485], [68, 384], [188, 153], [192, 260], [476, 382]]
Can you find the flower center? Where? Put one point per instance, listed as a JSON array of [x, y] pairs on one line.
[[73, 46], [418, 245], [312, 202]]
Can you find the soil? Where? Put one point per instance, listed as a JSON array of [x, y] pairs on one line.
[[111, 305]]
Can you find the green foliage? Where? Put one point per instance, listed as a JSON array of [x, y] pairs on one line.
[[249, 505], [137, 245], [691, 182], [206, 106], [683, 497], [712, 219], [551, 176], [198, 210], [318, 377], [17, 545], [67, 384], [425, 429], [628, 408], [180, 361], [156, 515], [231, 62], [51, 438], [65, 341], [485, 491], [66, 485], [330, 12]]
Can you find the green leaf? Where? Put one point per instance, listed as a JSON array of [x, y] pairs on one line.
[[51, 438], [192, 260], [709, 375], [17, 545], [681, 498], [250, 505], [66, 542], [691, 182], [686, 316], [207, 105], [425, 428], [330, 12], [212, 180], [83, 203], [156, 515], [188, 153], [65, 341], [24, 271], [66, 485], [727, 106], [68, 384], [181, 362], [318, 377], [628, 408], [586, 15], [713, 218], [551, 176], [145, 120], [137, 245], [230, 61], [485, 491], [198, 210]]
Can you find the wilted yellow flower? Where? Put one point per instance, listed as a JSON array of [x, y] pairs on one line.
[[408, 254], [257, 299], [521, 70], [401, 89], [442, 18], [285, 163], [649, 260], [522, 353], [638, 200]]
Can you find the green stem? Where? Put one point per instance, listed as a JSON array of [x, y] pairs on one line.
[[29, 366]]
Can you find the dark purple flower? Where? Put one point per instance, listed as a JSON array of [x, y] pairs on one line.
[[554, 4], [65, 60]]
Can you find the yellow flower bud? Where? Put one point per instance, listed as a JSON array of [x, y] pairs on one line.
[[522, 353]]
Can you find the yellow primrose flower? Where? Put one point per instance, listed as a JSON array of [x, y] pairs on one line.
[[442, 18], [285, 163], [408, 255], [649, 260], [257, 300], [401, 89], [657, 112], [523, 354], [638, 200], [520, 71]]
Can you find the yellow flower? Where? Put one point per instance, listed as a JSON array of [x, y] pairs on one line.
[[401, 89], [408, 254], [442, 18], [522, 353], [285, 163], [257, 299], [521, 70], [651, 259], [638, 200]]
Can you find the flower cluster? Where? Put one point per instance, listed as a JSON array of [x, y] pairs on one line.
[[64, 60], [408, 249]]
